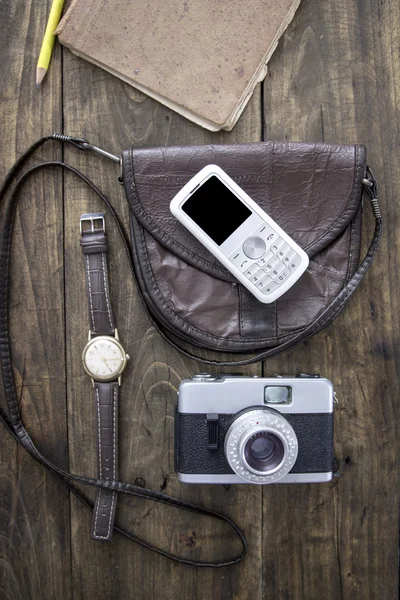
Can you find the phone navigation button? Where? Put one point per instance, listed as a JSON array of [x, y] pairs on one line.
[[254, 247]]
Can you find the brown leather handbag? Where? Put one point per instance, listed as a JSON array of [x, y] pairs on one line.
[[313, 191]]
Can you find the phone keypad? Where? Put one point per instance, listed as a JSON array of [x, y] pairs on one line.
[[260, 274], [267, 233], [264, 260], [272, 263], [274, 267], [283, 250], [289, 256], [283, 275], [252, 270], [277, 270], [269, 286], [295, 262], [241, 261], [277, 245]]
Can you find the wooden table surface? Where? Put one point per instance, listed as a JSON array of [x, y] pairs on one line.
[[334, 77]]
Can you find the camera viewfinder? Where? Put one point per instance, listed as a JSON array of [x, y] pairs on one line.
[[277, 394]]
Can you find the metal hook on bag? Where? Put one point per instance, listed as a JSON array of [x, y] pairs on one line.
[[83, 144], [371, 188]]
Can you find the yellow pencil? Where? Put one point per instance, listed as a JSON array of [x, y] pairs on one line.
[[48, 40]]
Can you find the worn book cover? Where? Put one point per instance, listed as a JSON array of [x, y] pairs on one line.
[[201, 58]]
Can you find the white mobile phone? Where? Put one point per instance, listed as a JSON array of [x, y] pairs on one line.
[[239, 233]]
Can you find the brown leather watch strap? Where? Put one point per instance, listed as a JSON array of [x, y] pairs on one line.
[[106, 400], [95, 248]]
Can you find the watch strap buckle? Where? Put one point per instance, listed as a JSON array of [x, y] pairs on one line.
[[87, 223]]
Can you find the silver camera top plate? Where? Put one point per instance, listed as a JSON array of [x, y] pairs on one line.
[[229, 394]]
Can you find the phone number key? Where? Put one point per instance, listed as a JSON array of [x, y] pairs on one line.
[[268, 287]]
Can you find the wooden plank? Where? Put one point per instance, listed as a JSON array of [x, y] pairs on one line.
[[34, 546], [114, 116], [336, 78]]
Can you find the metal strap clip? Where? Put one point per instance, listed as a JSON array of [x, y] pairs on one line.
[[371, 188], [83, 144]]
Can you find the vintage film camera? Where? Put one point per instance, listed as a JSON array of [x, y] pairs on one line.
[[232, 429]]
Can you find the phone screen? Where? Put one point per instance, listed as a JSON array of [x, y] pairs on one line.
[[216, 209]]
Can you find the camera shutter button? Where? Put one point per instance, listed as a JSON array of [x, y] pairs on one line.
[[203, 376], [254, 247], [308, 375]]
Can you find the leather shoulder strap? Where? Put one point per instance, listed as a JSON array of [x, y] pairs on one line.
[[13, 423]]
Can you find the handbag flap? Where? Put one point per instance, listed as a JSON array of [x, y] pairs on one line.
[[311, 190]]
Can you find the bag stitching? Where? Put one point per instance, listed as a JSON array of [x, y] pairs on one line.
[[184, 178], [353, 238]]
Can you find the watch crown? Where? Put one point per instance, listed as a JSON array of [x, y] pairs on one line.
[[127, 357]]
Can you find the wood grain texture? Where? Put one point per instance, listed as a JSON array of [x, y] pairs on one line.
[[34, 513], [114, 116], [335, 77]]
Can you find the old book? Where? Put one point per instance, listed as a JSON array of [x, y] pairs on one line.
[[202, 58]]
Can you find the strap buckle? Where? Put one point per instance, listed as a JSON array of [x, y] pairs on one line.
[[88, 222]]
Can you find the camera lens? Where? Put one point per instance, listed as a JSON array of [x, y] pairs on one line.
[[264, 451], [260, 445]]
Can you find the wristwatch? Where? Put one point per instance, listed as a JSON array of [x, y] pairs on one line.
[[104, 359]]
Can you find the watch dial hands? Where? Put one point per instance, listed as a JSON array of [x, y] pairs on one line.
[[104, 359], [100, 354]]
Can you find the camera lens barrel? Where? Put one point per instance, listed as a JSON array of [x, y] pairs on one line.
[[261, 446], [263, 452]]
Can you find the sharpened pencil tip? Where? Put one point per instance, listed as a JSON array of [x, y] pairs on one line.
[[40, 73]]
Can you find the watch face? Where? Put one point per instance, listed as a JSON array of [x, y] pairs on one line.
[[104, 358]]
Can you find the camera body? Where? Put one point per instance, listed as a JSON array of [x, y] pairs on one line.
[[234, 429]]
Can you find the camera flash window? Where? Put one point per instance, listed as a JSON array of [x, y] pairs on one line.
[[277, 394]]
